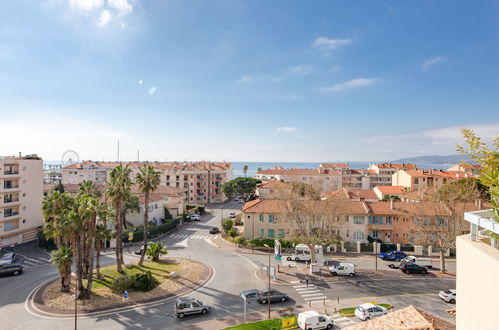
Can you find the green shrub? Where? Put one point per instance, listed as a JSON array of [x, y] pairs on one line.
[[122, 283], [156, 250], [261, 241], [240, 240], [227, 224], [144, 281], [233, 232], [46, 243], [153, 229]]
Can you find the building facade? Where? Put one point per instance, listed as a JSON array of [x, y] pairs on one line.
[[422, 179], [21, 192]]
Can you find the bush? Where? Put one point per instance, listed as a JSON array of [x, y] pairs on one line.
[[200, 209], [233, 232], [261, 241], [152, 229], [44, 242], [227, 224], [144, 281], [240, 240], [122, 283], [156, 250]]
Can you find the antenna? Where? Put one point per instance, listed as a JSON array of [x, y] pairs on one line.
[[138, 153], [118, 150]]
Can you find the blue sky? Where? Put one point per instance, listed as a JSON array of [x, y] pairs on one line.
[[246, 80]]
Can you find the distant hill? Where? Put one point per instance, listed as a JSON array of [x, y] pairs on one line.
[[434, 159]]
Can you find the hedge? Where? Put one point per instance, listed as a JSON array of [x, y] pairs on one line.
[[261, 241], [153, 231]]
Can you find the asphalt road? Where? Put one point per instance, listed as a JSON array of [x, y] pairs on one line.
[[232, 273]]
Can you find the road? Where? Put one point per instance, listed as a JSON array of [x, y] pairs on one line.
[[232, 273]]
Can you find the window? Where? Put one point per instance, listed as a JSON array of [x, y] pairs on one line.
[[11, 225], [271, 233], [262, 232], [380, 219], [261, 216], [282, 233], [358, 219], [388, 220], [271, 218], [440, 221], [358, 235]]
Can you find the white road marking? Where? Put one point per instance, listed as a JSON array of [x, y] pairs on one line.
[[312, 294], [315, 298]]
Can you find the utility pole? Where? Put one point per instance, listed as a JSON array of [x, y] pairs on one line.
[[376, 255], [76, 303]]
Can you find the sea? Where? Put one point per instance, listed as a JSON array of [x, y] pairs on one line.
[[237, 167]]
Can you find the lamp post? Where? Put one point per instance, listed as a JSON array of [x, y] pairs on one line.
[[76, 303], [268, 297]]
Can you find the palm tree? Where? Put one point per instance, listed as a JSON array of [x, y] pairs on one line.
[[118, 192], [62, 259], [245, 169], [102, 235], [53, 207], [90, 188], [148, 181]]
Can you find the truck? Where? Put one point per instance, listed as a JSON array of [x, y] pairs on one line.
[[302, 253], [420, 261]]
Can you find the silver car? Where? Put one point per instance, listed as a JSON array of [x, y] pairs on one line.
[[8, 258], [186, 306]]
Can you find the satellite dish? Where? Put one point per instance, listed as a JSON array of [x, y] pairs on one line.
[[69, 157]]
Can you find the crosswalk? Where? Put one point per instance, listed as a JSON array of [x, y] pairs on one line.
[[341, 322], [310, 292], [193, 236], [31, 262]]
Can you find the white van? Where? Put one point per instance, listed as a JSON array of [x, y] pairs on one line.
[[342, 268], [314, 320], [423, 262], [302, 253]]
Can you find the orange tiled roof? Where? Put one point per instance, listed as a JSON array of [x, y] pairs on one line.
[[390, 190], [152, 198], [396, 166], [275, 184], [362, 193], [271, 171], [335, 165], [422, 173], [173, 166]]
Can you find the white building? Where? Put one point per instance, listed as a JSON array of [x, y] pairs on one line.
[[21, 192]]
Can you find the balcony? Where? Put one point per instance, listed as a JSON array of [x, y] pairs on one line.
[[11, 172], [10, 214], [482, 224], [11, 200]]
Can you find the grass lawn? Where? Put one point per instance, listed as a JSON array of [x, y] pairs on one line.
[[272, 324], [350, 311], [160, 270]]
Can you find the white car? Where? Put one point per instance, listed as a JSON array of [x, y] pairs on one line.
[[195, 217], [232, 214], [368, 311], [448, 295], [312, 320]]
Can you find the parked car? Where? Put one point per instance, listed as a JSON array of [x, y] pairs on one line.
[[413, 269], [393, 255], [251, 295], [8, 258], [342, 268], [275, 296], [186, 306], [214, 230], [312, 320], [232, 214], [11, 269], [420, 261], [195, 217], [368, 311], [139, 251], [448, 295]]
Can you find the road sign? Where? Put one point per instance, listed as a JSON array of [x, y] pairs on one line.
[[125, 294], [130, 236], [278, 257], [288, 322]]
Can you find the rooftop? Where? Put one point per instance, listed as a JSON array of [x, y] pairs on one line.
[[483, 223]]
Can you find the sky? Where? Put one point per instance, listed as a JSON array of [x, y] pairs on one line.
[[246, 80]]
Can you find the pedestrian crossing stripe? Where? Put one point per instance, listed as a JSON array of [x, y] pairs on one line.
[[318, 293]]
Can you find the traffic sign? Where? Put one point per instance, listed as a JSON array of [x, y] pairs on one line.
[[125, 294], [130, 236], [278, 257]]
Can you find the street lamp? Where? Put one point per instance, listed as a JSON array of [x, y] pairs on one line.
[[268, 297]]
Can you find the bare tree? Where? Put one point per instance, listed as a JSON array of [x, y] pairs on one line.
[[439, 219]]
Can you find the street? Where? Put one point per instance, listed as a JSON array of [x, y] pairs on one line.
[[233, 272]]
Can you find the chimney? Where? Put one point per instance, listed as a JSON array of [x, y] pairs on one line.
[[391, 204]]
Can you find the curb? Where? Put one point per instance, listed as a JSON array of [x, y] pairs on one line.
[[35, 299]]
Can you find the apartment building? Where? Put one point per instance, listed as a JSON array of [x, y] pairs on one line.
[[21, 192], [470, 168], [422, 179], [156, 210], [274, 189], [382, 173], [387, 191], [477, 269], [201, 180]]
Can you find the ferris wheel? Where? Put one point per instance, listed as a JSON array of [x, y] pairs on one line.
[[69, 157]]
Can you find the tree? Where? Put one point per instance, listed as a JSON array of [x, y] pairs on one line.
[[155, 250], [245, 187], [302, 190], [439, 219], [227, 224], [312, 222], [245, 169], [59, 187], [119, 192], [259, 170], [62, 258], [148, 180], [388, 198], [102, 235]]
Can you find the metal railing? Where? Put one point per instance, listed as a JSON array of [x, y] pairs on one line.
[[482, 223]]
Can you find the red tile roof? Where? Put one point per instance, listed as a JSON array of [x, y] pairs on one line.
[[335, 165], [422, 173], [390, 190], [396, 166], [362, 193]]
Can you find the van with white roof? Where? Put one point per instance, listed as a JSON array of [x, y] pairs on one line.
[[342, 268], [312, 320]]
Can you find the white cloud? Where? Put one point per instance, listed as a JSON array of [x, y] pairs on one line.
[[86, 4], [104, 18], [354, 83], [285, 129], [445, 135], [141, 82], [325, 43], [245, 80], [302, 69], [432, 61], [121, 6]]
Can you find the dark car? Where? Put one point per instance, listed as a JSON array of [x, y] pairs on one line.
[[214, 230], [275, 296], [8, 258], [139, 251], [392, 255], [11, 269], [413, 268]]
